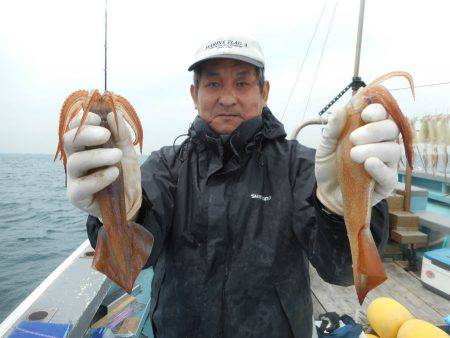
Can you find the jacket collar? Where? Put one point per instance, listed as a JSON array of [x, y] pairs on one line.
[[265, 126]]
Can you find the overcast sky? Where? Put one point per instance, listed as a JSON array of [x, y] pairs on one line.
[[48, 49]]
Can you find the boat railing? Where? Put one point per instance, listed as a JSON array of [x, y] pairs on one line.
[[72, 293]]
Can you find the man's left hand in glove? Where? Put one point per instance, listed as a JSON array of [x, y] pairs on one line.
[[374, 145]]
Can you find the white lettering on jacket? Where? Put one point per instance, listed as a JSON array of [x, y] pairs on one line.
[[260, 197]]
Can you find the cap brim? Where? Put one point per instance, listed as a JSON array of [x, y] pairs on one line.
[[228, 56]]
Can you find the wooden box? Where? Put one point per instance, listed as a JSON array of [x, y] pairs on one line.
[[395, 202], [409, 237], [403, 220]]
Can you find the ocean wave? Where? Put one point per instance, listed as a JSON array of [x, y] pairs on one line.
[[33, 239], [9, 204]]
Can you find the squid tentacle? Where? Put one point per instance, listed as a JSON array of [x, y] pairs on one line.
[[72, 105], [387, 76], [380, 94], [88, 103], [110, 97], [132, 119]]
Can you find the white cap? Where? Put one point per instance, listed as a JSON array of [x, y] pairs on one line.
[[230, 47]]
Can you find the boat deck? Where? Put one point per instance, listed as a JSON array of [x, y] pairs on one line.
[[405, 287]]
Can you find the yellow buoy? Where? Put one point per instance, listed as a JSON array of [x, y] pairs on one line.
[[386, 315], [368, 335], [416, 328]]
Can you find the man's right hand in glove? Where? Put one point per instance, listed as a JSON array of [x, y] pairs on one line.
[[100, 163]]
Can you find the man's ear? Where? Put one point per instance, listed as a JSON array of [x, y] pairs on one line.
[[194, 95], [265, 92]]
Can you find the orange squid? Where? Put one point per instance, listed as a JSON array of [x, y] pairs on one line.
[[357, 186], [123, 247]]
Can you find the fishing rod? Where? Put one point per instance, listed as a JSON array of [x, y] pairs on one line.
[[356, 80]]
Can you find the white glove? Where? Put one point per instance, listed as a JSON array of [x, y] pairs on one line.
[[375, 146], [82, 187]]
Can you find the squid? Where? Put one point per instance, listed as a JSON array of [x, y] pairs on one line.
[[433, 139], [435, 158], [123, 247], [412, 124], [357, 186], [425, 157], [442, 138], [415, 140], [423, 138]]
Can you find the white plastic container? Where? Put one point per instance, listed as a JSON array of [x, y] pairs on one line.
[[435, 273]]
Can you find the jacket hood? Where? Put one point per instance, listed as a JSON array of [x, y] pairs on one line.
[[272, 128]]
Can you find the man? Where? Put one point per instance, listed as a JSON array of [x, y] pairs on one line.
[[234, 211]]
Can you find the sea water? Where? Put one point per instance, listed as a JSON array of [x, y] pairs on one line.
[[39, 227]]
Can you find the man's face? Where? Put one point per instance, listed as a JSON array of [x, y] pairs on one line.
[[228, 94]]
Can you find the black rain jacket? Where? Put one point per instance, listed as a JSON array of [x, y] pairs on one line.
[[235, 221]]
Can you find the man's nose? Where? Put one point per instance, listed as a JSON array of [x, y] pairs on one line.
[[227, 98]]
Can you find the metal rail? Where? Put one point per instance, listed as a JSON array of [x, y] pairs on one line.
[[359, 40], [322, 120]]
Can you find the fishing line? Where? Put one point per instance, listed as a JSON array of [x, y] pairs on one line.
[[424, 85], [320, 60], [304, 59]]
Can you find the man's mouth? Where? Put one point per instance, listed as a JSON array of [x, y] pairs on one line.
[[229, 115]]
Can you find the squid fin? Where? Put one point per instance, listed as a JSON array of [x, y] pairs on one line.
[[370, 270], [109, 260]]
